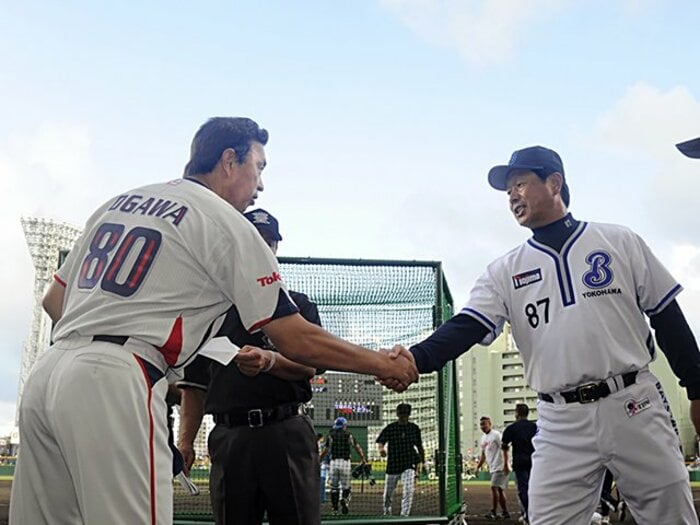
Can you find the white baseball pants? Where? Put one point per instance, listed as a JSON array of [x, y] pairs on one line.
[[631, 433], [408, 483], [93, 437]]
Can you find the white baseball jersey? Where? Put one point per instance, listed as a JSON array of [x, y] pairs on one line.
[[491, 445], [160, 264], [578, 315]]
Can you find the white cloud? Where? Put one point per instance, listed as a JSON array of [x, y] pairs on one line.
[[648, 121], [640, 131], [482, 32], [7, 418]]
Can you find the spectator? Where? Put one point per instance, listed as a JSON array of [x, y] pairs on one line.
[[491, 454]]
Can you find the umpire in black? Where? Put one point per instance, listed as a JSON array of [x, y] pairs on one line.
[[263, 450]]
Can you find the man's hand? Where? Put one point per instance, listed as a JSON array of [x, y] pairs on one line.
[[252, 360], [188, 456], [695, 414], [403, 370], [506, 469]]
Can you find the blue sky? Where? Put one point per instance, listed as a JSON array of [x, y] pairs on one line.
[[384, 117]]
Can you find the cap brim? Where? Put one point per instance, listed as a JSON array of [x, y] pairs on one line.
[[498, 175], [268, 231], [690, 148]]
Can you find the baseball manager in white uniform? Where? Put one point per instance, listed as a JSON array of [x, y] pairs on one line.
[[143, 289], [577, 295]]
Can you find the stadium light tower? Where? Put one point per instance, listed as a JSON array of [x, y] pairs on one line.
[[48, 242]]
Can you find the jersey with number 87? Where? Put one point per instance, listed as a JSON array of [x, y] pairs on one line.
[[578, 314]]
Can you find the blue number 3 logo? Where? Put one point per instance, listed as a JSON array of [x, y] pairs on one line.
[[600, 274]]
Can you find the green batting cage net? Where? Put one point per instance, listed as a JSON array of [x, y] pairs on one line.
[[375, 304]]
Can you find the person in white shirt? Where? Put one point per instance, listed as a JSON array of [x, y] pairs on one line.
[[491, 454]]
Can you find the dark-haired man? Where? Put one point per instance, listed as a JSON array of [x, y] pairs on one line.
[[498, 470], [404, 457], [144, 287], [577, 296], [520, 434]]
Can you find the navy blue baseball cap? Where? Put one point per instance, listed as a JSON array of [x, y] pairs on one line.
[[541, 160], [690, 148], [340, 422], [265, 223]]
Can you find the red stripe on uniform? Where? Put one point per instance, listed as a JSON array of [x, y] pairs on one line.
[[259, 324], [173, 346], [151, 454], [59, 280]]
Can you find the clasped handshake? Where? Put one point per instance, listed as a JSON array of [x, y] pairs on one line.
[[397, 366], [402, 369]]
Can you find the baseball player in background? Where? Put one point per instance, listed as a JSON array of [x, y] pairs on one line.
[[576, 295], [338, 445], [144, 287], [404, 459], [520, 433]]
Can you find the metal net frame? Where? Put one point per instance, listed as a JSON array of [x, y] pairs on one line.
[[376, 304]]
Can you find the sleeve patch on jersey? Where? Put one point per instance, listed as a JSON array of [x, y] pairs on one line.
[[525, 278]]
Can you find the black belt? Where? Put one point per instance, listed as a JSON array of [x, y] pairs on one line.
[[258, 417], [115, 339], [591, 392]]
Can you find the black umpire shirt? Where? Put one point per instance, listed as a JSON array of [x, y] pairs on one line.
[[520, 434], [228, 390]]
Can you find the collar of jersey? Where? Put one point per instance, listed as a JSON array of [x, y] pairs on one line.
[[556, 233]]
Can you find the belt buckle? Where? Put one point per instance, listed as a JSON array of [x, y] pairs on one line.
[[586, 393], [255, 418]]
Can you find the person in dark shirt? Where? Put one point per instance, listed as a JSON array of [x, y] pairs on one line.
[[338, 444], [520, 434], [404, 456], [582, 299], [263, 449]]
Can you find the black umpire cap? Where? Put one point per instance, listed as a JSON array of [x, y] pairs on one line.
[[265, 223], [690, 148]]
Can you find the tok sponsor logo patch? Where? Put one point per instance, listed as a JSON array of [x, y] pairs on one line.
[[635, 406], [269, 279], [525, 278]]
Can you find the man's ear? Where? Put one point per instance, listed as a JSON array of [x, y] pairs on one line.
[[557, 180], [228, 158]]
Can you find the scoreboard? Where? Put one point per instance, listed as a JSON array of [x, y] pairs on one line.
[[356, 397]]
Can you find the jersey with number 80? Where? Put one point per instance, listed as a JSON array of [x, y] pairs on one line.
[[163, 262], [577, 315]]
